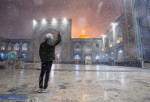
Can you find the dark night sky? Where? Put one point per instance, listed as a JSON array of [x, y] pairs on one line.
[[92, 16]]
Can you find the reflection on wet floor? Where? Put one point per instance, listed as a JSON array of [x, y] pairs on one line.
[[78, 83]]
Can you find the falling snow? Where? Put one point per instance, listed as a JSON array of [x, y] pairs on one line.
[[93, 16]]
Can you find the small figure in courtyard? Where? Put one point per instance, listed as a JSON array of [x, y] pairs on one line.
[[47, 55]]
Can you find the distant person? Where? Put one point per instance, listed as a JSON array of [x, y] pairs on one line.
[[47, 55]]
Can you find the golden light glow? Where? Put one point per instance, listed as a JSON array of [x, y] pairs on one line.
[[84, 32], [84, 36]]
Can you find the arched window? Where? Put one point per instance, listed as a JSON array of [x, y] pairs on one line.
[[16, 47], [77, 57], [3, 46], [25, 47], [9, 47]]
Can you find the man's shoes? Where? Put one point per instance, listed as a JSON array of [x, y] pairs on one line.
[[44, 90], [39, 90]]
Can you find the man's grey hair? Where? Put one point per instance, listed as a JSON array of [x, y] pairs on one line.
[[49, 36]]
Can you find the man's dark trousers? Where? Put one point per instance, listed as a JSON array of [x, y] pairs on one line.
[[45, 71]]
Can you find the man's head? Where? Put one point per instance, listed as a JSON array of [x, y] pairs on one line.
[[49, 38]]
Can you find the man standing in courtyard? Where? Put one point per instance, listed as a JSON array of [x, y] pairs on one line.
[[47, 55]]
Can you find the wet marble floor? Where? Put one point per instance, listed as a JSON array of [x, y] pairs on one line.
[[78, 83]]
